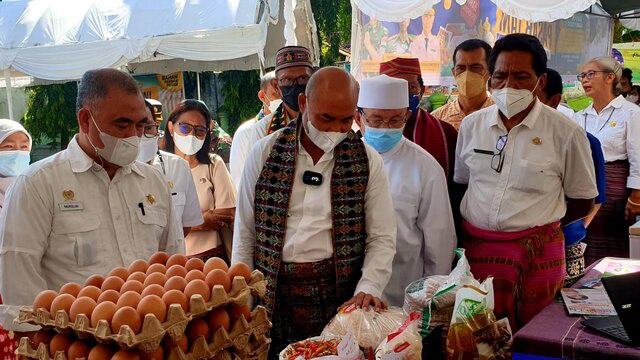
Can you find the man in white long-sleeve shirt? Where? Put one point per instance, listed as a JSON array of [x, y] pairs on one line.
[[89, 208], [315, 213], [426, 237]]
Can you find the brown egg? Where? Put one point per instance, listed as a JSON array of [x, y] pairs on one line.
[[175, 282], [215, 263], [177, 259], [198, 286], [157, 354], [44, 300], [132, 285], [138, 266], [78, 350], [41, 337], [100, 352], [155, 278], [95, 280], [109, 295], [126, 316], [176, 297], [82, 305], [194, 274], [103, 311], [235, 311], [197, 328], [71, 289], [138, 276], [130, 298], [240, 269], [152, 304], [120, 272], [59, 342], [90, 291], [218, 277], [219, 318], [112, 283], [160, 257], [156, 268], [176, 270], [169, 344], [61, 302], [153, 289], [125, 355], [194, 264]]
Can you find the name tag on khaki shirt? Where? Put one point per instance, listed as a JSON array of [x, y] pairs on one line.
[[71, 206]]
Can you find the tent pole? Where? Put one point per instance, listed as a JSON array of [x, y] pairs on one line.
[[7, 81], [198, 83]]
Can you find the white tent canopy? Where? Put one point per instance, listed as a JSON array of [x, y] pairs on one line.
[[61, 39]]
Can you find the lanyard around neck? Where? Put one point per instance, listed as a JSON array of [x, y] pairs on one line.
[[603, 125]]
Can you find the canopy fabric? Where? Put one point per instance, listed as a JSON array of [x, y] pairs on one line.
[[395, 10], [543, 10], [61, 39]]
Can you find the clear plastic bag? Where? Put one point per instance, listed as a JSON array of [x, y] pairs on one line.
[[368, 327], [404, 343]]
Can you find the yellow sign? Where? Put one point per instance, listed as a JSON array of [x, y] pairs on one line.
[[171, 82]]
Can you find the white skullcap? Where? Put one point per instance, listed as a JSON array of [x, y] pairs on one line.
[[10, 127], [383, 92]]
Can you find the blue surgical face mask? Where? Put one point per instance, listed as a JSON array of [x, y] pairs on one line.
[[382, 139], [13, 163], [414, 102]]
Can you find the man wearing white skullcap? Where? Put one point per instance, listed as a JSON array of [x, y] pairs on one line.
[[417, 182], [15, 145]]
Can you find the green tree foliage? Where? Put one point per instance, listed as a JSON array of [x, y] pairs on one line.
[[51, 113], [333, 20], [240, 91], [622, 34]]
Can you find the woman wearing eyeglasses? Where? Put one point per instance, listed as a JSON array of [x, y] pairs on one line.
[[616, 123], [188, 136]]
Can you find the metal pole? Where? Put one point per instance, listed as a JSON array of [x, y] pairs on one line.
[[198, 83], [7, 81]]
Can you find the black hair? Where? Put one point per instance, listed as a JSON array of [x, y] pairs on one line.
[[472, 44], [554, 83], [521, 42], [190, 105], [95, 85], [627, 73]]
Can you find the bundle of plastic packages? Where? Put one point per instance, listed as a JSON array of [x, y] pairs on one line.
[[404, 343]]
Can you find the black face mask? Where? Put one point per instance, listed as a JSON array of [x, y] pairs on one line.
[[290, 95]]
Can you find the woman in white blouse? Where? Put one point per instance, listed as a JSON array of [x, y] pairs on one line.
[[616, 123], [188, 136]]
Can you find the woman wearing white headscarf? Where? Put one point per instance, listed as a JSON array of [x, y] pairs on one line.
[[15, 145]]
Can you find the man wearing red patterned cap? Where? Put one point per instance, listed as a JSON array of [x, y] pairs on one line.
[[435, 136], [293, 70]]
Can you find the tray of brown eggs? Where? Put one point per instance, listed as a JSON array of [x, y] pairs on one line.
[[137, 306], [215, 336]]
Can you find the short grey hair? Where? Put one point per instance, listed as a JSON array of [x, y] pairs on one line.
[[606, 63], [266, 79], [95, 84]]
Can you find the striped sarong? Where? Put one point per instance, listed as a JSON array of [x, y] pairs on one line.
[[528, 267], [608, 233]]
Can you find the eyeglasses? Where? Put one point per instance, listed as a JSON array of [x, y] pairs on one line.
[[300, 80], [151, 131], [590, 74], [186, 129], [395, 123], [498, 158]]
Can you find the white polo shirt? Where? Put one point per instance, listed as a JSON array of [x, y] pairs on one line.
[[618, 129], [65, 220], [546, 157]]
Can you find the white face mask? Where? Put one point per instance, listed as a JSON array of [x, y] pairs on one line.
[[274, 105], [325, 140], [511, 101], [632, 98], [148, 149], [188, 144], [117, 151]]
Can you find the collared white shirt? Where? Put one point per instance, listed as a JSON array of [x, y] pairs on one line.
[[618, 129], [546, 157], [566, 110], [179, 181], [247, 135], [426, 237], [308, 236], [65, 220]]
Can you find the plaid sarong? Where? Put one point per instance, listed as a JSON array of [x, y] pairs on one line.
[[608, 233], [528, 267]]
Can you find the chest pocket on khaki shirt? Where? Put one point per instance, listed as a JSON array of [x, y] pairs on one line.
[[148, 228], [535, 177], [76, 238]]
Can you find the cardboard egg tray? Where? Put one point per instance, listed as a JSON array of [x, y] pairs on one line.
[[152, 330], [247, 340]]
